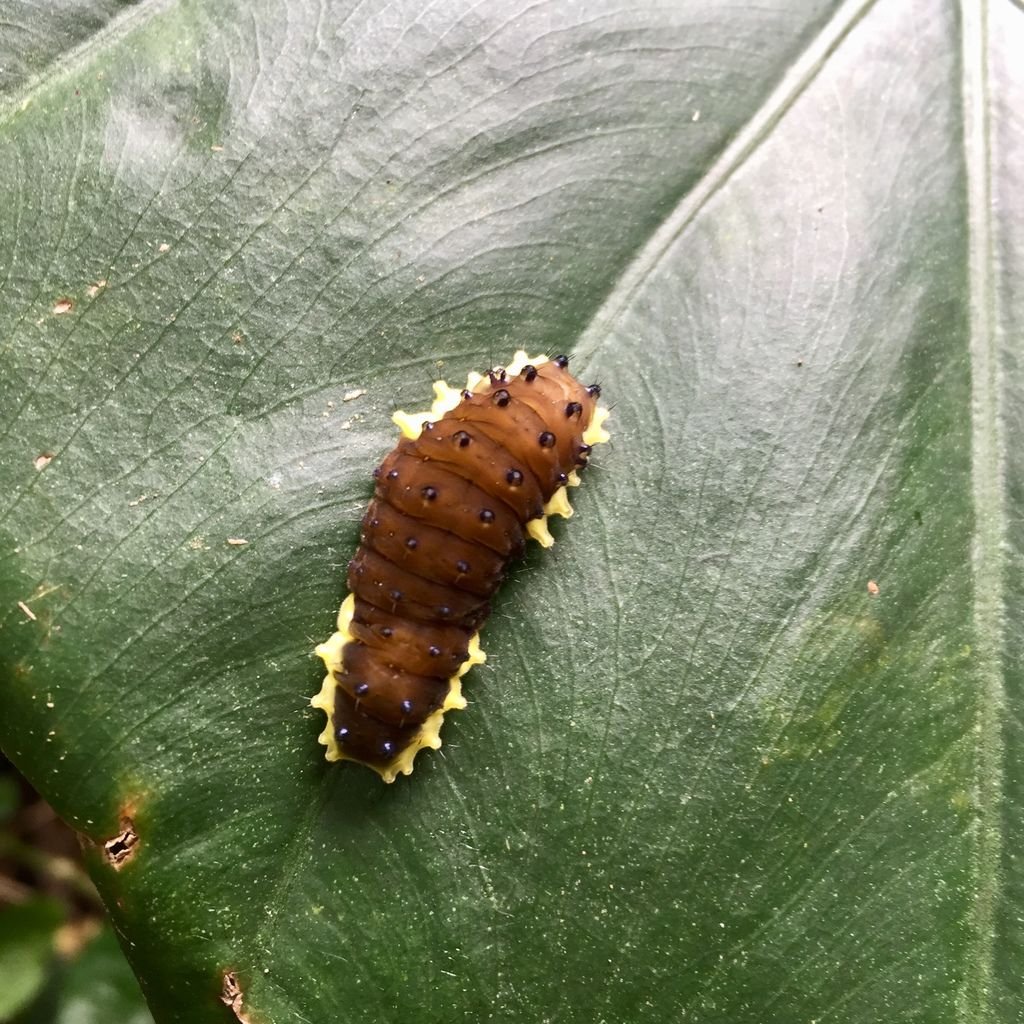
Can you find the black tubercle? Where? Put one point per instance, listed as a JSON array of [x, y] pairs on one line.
[[561, 362], [501, 398]]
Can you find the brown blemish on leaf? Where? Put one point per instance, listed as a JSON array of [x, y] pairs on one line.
[[64, 305], [873, 588], [120, 849], [94, 289], [231, 997], [42, 460]]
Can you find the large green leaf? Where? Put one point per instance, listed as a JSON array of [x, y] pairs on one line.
[[26, 949], [96, 987], [708, 774]]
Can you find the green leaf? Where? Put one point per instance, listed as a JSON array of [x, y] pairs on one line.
[[708, 773], [26, 950], [96, 987]]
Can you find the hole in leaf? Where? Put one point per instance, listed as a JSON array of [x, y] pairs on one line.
[[120, 849], [231, 996]]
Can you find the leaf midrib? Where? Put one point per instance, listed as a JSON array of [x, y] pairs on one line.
[[744, 143], [67, 62], [975, 1000]]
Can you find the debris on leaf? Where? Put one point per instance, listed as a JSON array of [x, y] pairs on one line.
[[237, 542], [873, 588], [42, 460], [28, 611]]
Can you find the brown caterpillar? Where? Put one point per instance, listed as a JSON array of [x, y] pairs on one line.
[[453, 505]]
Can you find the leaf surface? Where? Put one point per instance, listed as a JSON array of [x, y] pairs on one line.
[[748, 743]]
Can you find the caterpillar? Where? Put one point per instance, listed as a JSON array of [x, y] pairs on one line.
[[454, 502]]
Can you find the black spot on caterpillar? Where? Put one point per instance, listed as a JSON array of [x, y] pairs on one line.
[[454, 503]]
